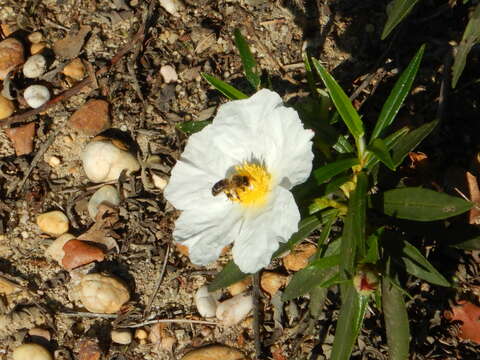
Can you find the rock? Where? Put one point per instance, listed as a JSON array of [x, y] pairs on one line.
[[54, 223], [214, 352], [22, 138], [232, 311], [6, 107], [35, 37], [11, 56], [141, 335], [103, 161], [168, 73], [172, 6], [31, 352], [123, 337], [36, 95], [75, 69], [37, 48], [78, 253], [206, 304], [35, 66], [88, 349], [240, 286], [298, 258], [55, 250], [106, 194], [54, 161], [159, 182], [271, 282], [91, 118], [40, 333], [69, 47], [103, 294]]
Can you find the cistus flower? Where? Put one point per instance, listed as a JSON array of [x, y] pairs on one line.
[[232, 182]]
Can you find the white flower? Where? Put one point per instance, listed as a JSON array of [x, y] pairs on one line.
[[260, 145]]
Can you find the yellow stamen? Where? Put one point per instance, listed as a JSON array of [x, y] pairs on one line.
[[259, 185]]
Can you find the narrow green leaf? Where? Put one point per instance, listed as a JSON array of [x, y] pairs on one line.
[[334, 184], [353, 237], [390, 141], [396, 321], [422, 204], [471, 36], [410, 141], [326, 172], [417, 265], [229, 275], [228, 90], [397, 96], [380, 150], [248, 61], [313, 275], [317, 299], [342, 102], [191, 127], [349, 323], [372, 247], [396, 10], [470, 244], [309, 73], [342, 145]]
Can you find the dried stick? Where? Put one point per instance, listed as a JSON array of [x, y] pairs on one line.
[[139, 36], [256, 315], [159, 282], [170, 321]]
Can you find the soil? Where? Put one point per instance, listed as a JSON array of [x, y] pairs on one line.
[[344, 35]]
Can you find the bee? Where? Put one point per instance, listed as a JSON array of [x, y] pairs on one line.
[[231, 185]]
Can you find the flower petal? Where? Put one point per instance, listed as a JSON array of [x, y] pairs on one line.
[[261, 233], [207, 229]]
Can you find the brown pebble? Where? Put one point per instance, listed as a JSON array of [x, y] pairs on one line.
[[6, 107], [240, 286], [88, 349], [75, 69], [37, 48], [22, 138], [298, 258], [92, 117], [39, 332], [78, 253], [271, 282], [11, 56], [214, 352]]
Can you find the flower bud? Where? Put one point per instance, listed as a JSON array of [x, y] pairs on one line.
[[365, 280]]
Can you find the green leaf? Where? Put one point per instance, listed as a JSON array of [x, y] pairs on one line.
[[396, 321], [397, 10], [326, 172], [317, 299], [342, 102], [248, 61], [349, 323], [229, 275], [372, 247], [353, 238], [390, 141], [470, 244], [191, 127], [417, 265], [228, 90], [313, 275], [342, 145], [471, 36], [380, 150], [397, 96], [422, 204], [411, 141], [335, 183]]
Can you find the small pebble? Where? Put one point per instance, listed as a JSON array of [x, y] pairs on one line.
[[214, 352], [159, 182], [106, 194], [91, 118], [75, 69], [299, 257], [141, 335], [11, 56], [22, 138], [206, 304], [123, 337], [240, 286], [78, 253], [169, 74], [35, 66], [232, 311], [54, 161], [103, 294], [40, 333], [31, 352], [37, 48], [271, 282], [6, 107], [36, 95], [54, 223], [35, 37], [172, 6], [55, 250]]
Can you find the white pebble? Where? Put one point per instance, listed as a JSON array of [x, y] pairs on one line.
[[123, 337], [106, 194], [169, 74], [35, 66], [31, 352], [206, 304], [159, 182], [234, 310], [54, 161], [36, 95]]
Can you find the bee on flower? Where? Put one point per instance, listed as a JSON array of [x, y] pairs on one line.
[[233, 181]]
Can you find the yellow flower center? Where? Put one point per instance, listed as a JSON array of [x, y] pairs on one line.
[[259, 185]]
